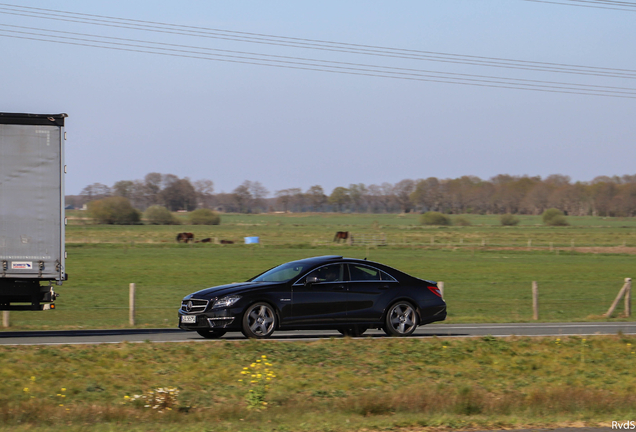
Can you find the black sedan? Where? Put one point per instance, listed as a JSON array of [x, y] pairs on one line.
[[327, 292]]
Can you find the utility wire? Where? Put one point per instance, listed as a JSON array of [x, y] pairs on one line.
[[605, 2], [630, 93], [287, 59], [310, 64], [314, 44], [624, 6]]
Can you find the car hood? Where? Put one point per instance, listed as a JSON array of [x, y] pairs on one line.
[[234, 288]]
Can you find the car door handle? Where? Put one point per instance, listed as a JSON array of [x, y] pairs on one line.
[[338, 288], [385, 287]]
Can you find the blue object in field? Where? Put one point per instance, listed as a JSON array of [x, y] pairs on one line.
[[251, 240]]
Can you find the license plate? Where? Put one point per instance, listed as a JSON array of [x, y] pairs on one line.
[[188, 319]]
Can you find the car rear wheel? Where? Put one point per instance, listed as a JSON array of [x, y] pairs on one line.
[[259, 321], [353, 331], [211, 334], [401, 320]]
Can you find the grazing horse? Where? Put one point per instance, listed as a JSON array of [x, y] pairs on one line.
[[185, 237], [341, 235], [227, 242]]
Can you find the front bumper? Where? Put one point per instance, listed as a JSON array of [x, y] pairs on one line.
[[217, 319]]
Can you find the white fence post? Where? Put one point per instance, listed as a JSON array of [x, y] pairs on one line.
[[535, 300], [5, 319], [131, 305], [440, 285], [628, 297]]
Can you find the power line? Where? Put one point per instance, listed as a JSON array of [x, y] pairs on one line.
[[605, 2], [124, 44], [624, 6], [629, 93], [263, 39], [292, 60]]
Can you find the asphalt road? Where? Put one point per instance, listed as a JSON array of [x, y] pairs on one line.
[[439, 330]]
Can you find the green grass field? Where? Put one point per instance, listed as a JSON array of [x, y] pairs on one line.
[[338, 384], [328, 385], [398, 230], [490, 283]]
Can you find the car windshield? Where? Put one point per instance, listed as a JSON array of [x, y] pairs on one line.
[[282, 273]]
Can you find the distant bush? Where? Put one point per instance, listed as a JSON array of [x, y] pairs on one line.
[[159, 215], [509, 220], [434, 218], [204, 217], [114, 210], [461, 221], [554, 217]]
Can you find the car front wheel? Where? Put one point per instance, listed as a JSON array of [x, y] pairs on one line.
[[401, 320], [259, 321], [211, 334]]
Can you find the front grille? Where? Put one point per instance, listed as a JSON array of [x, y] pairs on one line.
[[194, 306]]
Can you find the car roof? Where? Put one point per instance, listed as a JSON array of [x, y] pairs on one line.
[[330, 258], [319, 259]]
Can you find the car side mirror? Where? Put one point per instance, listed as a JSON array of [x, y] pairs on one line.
[[311, 280]]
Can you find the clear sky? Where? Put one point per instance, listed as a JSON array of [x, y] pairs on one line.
[[131, 113]]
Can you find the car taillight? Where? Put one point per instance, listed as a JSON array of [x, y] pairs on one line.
[[435, 291]]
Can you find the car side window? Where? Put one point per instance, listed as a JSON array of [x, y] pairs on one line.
[[329, 273], [364, 273], [387, 277]]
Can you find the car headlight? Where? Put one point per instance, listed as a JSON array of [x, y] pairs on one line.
[[226, 301]]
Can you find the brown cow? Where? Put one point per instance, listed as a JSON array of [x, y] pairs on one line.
[[185, 237], [205, 240], [341, 235], [227, 242]]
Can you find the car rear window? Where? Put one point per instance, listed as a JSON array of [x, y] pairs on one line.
[[364, 273]]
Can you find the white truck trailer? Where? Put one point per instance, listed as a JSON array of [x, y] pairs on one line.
[[32, 221]]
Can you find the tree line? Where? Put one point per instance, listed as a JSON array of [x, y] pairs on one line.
[[502, 194]]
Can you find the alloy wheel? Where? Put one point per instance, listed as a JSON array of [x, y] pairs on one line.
[[259, 321], [401, 320]]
